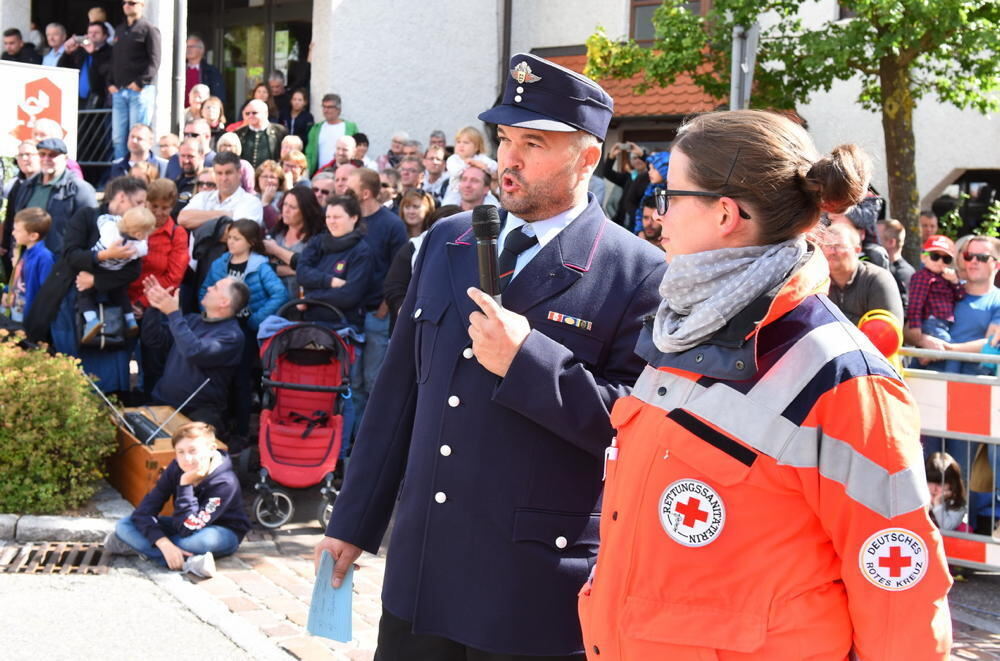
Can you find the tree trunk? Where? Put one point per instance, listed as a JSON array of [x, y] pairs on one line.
[[900, 152]]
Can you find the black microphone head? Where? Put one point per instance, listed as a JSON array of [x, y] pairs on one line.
[[485, 222]]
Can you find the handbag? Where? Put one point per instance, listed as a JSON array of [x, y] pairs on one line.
[[112, 333]]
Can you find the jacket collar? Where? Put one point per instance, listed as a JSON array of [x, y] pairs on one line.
[[556, 266], [731, 354]]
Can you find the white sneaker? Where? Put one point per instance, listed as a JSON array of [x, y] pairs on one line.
[[200, 565]]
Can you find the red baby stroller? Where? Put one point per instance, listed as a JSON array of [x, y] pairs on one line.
[[306, 379]]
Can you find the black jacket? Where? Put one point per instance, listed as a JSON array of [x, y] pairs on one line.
[[136, 55], [80, 235], [27, 55], [100, 73], [70, 195], [213, 78]]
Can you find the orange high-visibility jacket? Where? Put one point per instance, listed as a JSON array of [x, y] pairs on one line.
[[765, 498]]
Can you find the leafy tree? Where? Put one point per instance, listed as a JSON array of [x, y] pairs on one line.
[[902, 50]]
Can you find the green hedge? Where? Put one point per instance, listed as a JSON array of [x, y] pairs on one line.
[[54, 432]]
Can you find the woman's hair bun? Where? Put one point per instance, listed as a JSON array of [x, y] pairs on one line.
[[840, 180]]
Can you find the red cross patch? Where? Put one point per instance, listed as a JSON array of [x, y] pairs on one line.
[[691, 513], [893, 559]]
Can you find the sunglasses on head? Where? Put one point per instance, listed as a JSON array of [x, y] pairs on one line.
[[938, 257], [663, 195], [982, 258]]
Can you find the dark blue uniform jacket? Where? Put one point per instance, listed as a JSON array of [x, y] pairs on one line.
[[499, 480]]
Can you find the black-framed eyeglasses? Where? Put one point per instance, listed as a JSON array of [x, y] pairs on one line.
[[663, 195], [939, 257], [982, 258], [205, 184]]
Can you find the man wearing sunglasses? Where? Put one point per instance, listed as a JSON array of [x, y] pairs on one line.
[[134, 63], [977, 314]]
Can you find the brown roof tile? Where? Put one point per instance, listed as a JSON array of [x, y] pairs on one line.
[[681, 98]]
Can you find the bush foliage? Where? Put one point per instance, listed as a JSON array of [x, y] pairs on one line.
[[54, 432]]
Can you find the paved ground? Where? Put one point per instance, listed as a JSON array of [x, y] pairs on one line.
[[257, 606]]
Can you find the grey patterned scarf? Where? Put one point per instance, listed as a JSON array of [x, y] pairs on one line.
[[703, 291]]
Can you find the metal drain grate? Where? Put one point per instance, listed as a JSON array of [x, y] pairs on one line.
[[55, 558]]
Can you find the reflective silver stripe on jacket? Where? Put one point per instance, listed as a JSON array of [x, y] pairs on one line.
[[755, 419]]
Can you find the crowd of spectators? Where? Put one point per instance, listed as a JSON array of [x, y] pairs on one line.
[[277, 205]]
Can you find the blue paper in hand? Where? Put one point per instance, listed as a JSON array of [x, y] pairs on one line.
[[330, 610]]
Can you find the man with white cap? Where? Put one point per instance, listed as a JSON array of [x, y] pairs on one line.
[[498, 415]]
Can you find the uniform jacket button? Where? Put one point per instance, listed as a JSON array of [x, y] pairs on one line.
[[740, 364], [561, 542], [700, 357], [661, 391], [517, 99], [454, 401], [445, 450], [467, 353], [440, 497], [417, 313]]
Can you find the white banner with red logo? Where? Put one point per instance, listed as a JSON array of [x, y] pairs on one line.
[[32, 92]]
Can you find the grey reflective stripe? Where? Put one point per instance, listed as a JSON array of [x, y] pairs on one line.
[[765, 430], [678, 390], [871, 485], [796, 368]]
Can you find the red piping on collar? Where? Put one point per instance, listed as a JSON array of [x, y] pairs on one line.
[[460, 242], [590, 257]]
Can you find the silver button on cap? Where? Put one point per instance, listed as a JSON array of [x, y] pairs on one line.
[[561, 542]]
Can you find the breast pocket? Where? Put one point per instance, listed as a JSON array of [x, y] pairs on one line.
[[427, 315], [585, 347]]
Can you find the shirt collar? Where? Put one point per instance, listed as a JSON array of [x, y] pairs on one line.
[[547, 229]]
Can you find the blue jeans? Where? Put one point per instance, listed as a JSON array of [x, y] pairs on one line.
[[129, 108], [218, 540], [376, 344]]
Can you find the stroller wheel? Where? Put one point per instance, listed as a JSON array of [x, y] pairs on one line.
[[274, 509], [324, 512]]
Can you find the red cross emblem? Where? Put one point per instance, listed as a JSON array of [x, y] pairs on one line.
[[895, 561], [692, 512]]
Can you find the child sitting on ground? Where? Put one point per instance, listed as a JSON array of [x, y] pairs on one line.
[[944, 481], [30, 227], [132, 228], [208, 518], [934, 290]]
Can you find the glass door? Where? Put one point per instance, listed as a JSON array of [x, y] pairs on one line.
[[244, 63]]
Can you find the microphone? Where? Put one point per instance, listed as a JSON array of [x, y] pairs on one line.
[[486, 228]]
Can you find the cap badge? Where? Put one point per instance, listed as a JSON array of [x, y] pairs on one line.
[[522, 74]]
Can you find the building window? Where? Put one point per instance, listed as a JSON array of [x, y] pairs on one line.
[[641, 28], [843, 12]]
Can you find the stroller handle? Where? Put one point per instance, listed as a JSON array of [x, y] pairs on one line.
[[303, 387], [311, 302]]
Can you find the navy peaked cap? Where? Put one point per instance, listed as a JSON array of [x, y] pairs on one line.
[[543, 95]]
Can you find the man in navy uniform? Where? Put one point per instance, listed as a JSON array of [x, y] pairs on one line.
[[498, 416]]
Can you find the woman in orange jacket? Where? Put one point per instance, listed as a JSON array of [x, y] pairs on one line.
[[765, 496]]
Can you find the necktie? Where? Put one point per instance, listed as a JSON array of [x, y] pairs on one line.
[[515, 243]]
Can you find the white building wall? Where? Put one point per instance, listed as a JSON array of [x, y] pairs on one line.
[[16, 14], [407, 65], [549, 23]]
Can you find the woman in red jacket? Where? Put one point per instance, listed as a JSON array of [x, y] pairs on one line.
[[765, 496], [166, 260]]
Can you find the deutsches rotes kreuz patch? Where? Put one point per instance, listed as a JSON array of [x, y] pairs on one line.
[[692, 513], [893, 559]]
